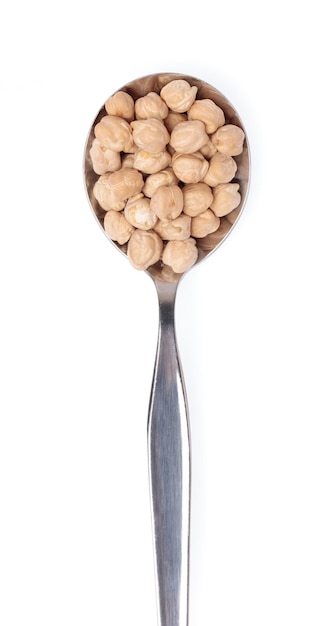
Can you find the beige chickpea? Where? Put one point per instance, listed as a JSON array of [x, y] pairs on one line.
[[197, 197], [150, 135], [208, 150], [222, 169], [204, 224], [208, 243], [229, 139], [114, 133], [138, 212], [190, 168], [208, 112], [180, 255], [233, 215], [121, 104], [173, 119], [117, 227], [179, 95], [188, 137], [104, 159], [127, 160], [112, 190], [150, 163], [150, 105], [153, 181], [167, 202], [226, 197], [177, 229], [106, 198], [144, 249]]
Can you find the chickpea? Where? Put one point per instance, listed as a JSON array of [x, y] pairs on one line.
[[208, 150], [121, 104], [180, 255], [204, 224], [229, 140], [150, 105], [222, 169], [117, 227], [233, 215], [149, 163], [167, 202], [208, 112], [114, 133], [196, 198], [144, 249], [104, 159], [103, 192], [138, 212], [177, 229], [112, 190], [178, 95], [127, 160], [190, 168], [188, 137], [153, 181], [173, 119], [226, 197], [150, 135]]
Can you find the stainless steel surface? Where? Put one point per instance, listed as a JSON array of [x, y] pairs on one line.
[[169, 468], [168, 424]]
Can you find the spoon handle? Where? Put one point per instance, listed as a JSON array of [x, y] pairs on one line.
[[169, 469]]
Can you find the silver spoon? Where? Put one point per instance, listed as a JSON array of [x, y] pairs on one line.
[[169, 453]]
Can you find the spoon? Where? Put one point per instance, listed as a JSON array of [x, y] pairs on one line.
[[169, 452]]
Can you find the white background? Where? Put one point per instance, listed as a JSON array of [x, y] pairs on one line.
[[255, 325]]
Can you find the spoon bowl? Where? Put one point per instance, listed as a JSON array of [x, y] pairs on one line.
[[154, 83], [169, 445]]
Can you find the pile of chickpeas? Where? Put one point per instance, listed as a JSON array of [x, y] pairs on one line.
[[166, 173]]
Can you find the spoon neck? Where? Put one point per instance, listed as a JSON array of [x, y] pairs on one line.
[[166, 295]]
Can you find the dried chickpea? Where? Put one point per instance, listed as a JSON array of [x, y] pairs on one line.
[[188, 137], [222, 169], [180, 255], [226, 197], [204, 224], [229, 140], [208, 112], [232, 216], [103, 192], [153, 181], [150, 105], [150, 134], [112, 190], [196, 198], [167, 202], [104, 159], [127, 160], [114, 133], [121, 104], [178, 95], [208, 150], [177, 229], [149, 163], [117, 227], [173, 119], [190, 168], [138, 212], [144, 249]]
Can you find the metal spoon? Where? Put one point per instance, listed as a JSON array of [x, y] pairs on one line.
[[169, 453]]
